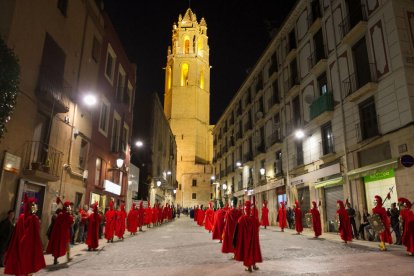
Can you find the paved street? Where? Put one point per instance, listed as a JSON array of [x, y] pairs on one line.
[[182, 248]]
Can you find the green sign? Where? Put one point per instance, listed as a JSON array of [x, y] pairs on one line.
[[379, 176]]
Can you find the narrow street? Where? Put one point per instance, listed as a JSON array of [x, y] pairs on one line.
[[183, 248]]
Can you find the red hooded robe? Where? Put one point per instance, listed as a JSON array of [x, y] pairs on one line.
[[154, 214], [408, 218], [231, 218], [148, 214], [94, 220], [247, 245], [60, 234], [345, 229], [25, 253], [316, 220], [385, 236], [298, 218], [110, 221], [132, 219], [141, 215], [282, 216], [265, 215], [209, 218], [201, 215], [120, 222], [218, 224]]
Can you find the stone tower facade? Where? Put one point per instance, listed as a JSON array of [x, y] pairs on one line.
[[187, 108]]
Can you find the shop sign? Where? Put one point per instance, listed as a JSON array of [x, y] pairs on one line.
[[379, 176], [407, 160], [11, 163], [112, 187]]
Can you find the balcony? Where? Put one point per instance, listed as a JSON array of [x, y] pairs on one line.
[[358, 85], [260, 148], [229, 169], [247, 157], [317, 61], [274, 138], [322, 107], [354, 25], [272, 102], [314, 23], [292, 84], [41, 162], [53, 91]]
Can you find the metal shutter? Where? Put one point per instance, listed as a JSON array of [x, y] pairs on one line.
[[332, 194]]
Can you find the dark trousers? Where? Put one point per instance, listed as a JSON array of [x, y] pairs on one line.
[[396, 228], [354, 228]]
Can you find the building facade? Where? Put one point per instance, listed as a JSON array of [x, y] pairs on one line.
[[326, 113], [157, 157], [187, 108]]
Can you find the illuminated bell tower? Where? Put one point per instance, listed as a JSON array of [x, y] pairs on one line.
[[187, 107]]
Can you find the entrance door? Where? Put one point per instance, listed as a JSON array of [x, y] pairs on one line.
[[332, 194], [304, 201], [31, 190]]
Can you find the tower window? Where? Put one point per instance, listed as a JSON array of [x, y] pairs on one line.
[[168, 78], [186, 45], [184, 74], [202, 79]]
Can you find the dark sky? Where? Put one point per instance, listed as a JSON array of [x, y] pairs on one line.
[[238, 31]]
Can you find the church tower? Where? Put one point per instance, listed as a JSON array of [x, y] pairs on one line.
[[187, 108]]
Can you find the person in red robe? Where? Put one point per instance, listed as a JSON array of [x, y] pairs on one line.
[[148, 215], [344, 223], [246, 240], [132, 220], [385, 236], [120, 222], [282, 217], [316, 220], [154, 217], [219, 223], [209, 218], [407, 218], [59, 240], [298, 218], [265, 215], [230, 221], [94, 220], [160, 215], [195, 213], [25, 253], [110, 221], [141, 216], [201, 216]]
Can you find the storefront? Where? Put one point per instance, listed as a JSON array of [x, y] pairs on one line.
[[31, 189], [281, 195], [380, 183]]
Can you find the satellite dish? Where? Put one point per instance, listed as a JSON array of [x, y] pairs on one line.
[[309, 98]]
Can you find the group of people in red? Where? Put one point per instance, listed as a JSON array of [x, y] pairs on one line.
[[24, 255], [236, 229]]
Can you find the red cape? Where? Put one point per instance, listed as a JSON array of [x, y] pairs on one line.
[[200, 217], [385, 236], [247, 249], [316, 221], [25, 252], [265, 216], [141, 216], [154, 217], [60, 235], [209, 220], [408, 234], [132, 220], [120, 223], [231, 218], [298, 220], [148, 216], [218, 224], [345, 229], [110, 220], [92, 238], [282, 217]]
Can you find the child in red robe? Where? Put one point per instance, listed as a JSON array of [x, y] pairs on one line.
[[345, 229], [219, 223], [298, 218], [246, 240], [385, 236], [209, 218], [265, 215], [94, 220], [230, 221], [120, 222], [316, 220], [282, 217], [25, 253], [132, 220], [110, 220], [407, 217], [59, 240]]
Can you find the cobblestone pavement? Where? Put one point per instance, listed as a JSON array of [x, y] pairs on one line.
[[183, 248]]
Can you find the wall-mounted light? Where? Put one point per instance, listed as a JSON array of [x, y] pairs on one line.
[[119, 162], [90, 100], [213, 177], [224, 186], [158, 183], [299, 134], [238, 164], [169, 173], [175, 191], [262, 171]]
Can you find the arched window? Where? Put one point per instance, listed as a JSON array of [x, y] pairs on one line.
[[186, 45], [184, 74], [202, 79], [168, 80]]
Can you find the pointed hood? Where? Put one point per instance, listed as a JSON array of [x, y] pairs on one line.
[[111, 205], [297, 204], [314, 204], [341, 204], [405, 202], [123, 207], [378, 199], [133, 206], [247, 206]]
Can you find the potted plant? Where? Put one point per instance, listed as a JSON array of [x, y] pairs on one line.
[[46, 166]]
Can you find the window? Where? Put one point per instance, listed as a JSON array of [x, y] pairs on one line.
[[98, 169], [83, 153], [116, 128], [202, 79], [187, 45], [110, 64], [62, 5], [278, 164], [120, 84], [299, 153], [296, 111], [194, 183], [327, 139], [96, 49], [211, 195], [128, 96], [194, 196], [368, 119], [292, 40], [322, 84], [184, 74], [275, 92], [179, 187], [125, 138], [104, 117]]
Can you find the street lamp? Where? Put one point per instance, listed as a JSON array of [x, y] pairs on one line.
[[224, 186], [213, 177], [158, 183], [139, 143], [238, 164], [119, 162], [262, 171], [90, 99], [299, 134], [169, 173]]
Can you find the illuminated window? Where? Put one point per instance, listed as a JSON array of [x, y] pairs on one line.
[[184, 74], [202, 79], [168, 78], [186, 45]]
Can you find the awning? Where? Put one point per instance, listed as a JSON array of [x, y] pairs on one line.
[[330, 182], [374, 168]]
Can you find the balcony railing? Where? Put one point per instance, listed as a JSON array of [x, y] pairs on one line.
[[260, 148], [230, 169], [356, 81], [247, 157], [322, 104], [355, 16], [291, 82], [42, 161], [53, 90], [315, 57], [273, 139]]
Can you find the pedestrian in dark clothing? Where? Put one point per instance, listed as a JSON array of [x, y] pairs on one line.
[[351, 214], [290, 217], [365, 226], [394, 214], [6, 231]]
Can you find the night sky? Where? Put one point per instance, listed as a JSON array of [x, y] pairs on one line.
[[238, 31]]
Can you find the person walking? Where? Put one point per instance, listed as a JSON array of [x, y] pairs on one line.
[[298, 218], [282, 217], [407, 217], [385, 236], [120, 222], [351, 214], [344, 222], [316, 220], [6, 231], [230, 221], [110, 221], [265, 215], [394, 215], [94, 222]]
